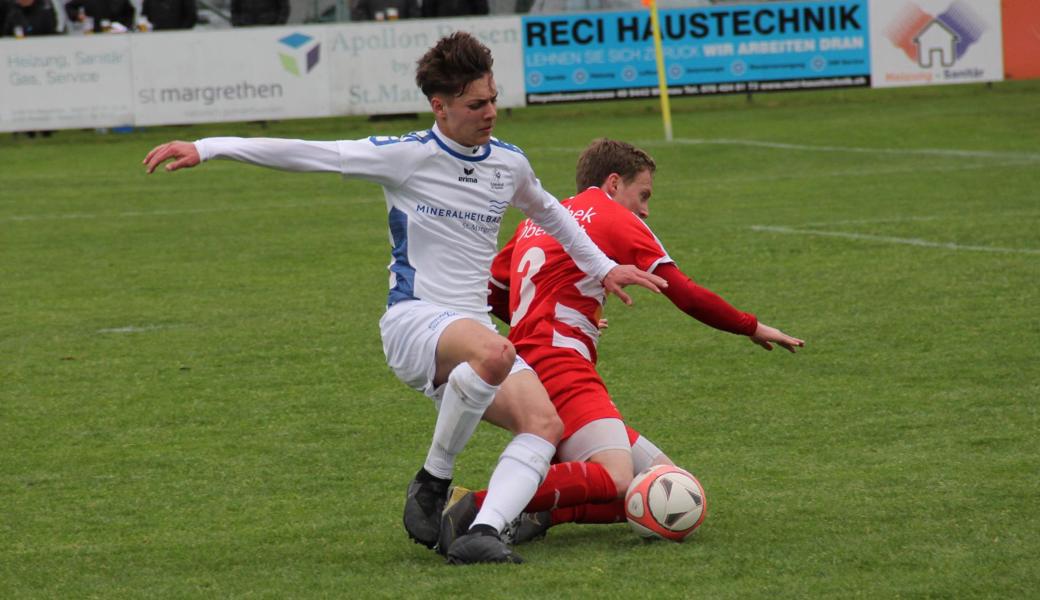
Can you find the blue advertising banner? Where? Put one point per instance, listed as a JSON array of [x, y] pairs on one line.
[[729, 49]]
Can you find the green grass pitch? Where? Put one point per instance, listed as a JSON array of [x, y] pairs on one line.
[[194, 402]]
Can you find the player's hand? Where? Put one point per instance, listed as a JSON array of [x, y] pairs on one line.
[[183, 154], [602, 324], [766, 336], [623, 275]]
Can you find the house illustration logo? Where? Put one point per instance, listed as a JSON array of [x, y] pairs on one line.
[[936, 41], [299, 53]]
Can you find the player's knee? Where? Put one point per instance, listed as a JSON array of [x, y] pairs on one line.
[[546, 424], [495, 361], [554, 428]]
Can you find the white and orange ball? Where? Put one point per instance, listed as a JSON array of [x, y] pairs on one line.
[[665, 502]]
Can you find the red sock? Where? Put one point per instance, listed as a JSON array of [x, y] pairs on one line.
[[573, 484], [613, 512], [569, 484]]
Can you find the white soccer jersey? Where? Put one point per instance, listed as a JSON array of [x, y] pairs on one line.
[[444, 201]]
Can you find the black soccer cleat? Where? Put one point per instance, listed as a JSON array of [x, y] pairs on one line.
[[481, 546], [527, 527], [423, 506], [458, 515]]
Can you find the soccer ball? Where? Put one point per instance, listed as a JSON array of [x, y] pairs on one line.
[[665, 502]]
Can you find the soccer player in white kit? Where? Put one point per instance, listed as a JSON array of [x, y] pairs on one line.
[[446, 190]]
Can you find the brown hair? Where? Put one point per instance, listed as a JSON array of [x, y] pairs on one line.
[[454, 62], [605, 156]]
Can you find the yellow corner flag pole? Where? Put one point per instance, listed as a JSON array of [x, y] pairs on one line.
[[662, 83]]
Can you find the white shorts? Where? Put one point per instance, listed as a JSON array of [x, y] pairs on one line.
[[410, 332], [596, 436], [607, 434]]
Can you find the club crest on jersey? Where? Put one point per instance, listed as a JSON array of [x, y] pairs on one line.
[[497, 184], [467, 175]]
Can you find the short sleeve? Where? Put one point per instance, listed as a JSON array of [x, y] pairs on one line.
[[633, 243]]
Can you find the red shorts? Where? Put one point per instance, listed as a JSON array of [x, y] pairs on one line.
[[574, 386]]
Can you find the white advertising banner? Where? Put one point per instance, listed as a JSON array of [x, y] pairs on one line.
[[231, 75], [65, 83], [373, 64], [929, 42]]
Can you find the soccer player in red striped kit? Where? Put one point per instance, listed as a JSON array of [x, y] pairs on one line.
[[446, 189], [555, 310]]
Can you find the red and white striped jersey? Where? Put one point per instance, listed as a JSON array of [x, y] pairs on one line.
[[551, 301]]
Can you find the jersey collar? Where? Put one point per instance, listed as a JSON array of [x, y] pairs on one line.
[[598, 189], [468, 153]]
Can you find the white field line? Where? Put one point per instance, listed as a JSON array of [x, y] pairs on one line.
[[861, 172], [891, 240], [135, 328], [179, 211], [941, 152], [1006, 159], [706, 181], [944, 152], [923, 218]]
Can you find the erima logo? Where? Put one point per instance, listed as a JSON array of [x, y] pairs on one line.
[[298, 53], [931, 41], [468, 171], [466, 176]]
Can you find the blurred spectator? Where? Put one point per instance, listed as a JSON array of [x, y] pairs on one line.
[[384, 10], [170, 14], [29, 17], [452, 8], [103, 13], [246, 13]]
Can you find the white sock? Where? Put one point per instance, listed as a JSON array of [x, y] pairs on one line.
[[521, 469], [466, 397]]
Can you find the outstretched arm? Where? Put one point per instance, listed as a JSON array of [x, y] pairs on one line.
[[709, 308], [766, 336], [288, 155], [623, 275], [183, 154]]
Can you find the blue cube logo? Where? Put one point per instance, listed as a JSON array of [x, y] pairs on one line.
[[299, 53]]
